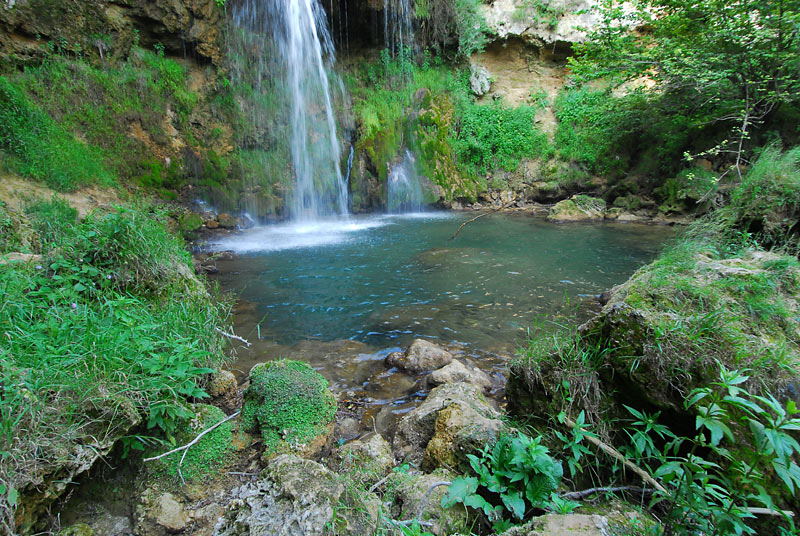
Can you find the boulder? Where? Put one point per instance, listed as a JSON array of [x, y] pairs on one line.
[[456, 372], [421, 356], [479, 80], [563, 525], [577, 208], [290, 404], [469, 419], [459, 430], [409, 494], [224, 390], [369, 458], [226, 221], [161, 514], [296, 497]]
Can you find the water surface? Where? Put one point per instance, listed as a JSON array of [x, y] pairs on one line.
[[339, 293]]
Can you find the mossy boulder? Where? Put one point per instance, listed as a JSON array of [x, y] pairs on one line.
[[208, 456], [409, 494], [190, 222], [290, 405], [577, 208]]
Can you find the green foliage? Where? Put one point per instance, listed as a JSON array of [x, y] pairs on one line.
[[39, 147], [289, 402], [497, 137], [714, 477], [730, 62], [540, 12], [767, 203], [456, 24], [512, 476], [70, 123], [110, 327], [9, 232], [52, 220]]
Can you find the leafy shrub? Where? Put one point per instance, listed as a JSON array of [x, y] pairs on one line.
[[514, 475], [496, 136], [767, 203], [753, 437], [452, 23], [288, 402]]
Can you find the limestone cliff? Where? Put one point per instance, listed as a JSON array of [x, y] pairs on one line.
[[102, 28]]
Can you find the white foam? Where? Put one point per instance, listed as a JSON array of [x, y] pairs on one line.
[[297, 235]]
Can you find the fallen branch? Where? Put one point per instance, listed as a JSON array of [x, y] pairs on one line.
[[232, 336], [380, 482], [480, 216], [428, 496], [614, 453], [591, 491], [185, 448], [617, 455]]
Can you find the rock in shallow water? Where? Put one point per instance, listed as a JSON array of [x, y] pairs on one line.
[[421, 356], [456, 372]]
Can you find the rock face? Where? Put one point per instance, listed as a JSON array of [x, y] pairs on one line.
[[105, 29], [296, 498], [457, 372], [455, 420], [578, 208], [563, 22], [479, 80], [421, 356]]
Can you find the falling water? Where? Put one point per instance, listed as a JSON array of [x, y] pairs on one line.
[[398, 29], [404, 190], [303, 53]]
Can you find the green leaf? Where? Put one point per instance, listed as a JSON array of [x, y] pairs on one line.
[[459, 490], [514, 502]]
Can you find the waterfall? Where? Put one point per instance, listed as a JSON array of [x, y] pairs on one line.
[[298, 58], [404, 191], [398, 29]]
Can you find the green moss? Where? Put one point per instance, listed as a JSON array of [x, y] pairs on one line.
[[203, 460], [288, 402], [190, 221]]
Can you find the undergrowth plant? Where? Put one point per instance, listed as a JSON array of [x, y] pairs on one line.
[[513, 476], [716, 477]]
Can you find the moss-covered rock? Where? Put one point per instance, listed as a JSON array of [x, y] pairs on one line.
[[577, 208], [290, 404], [204, 459]]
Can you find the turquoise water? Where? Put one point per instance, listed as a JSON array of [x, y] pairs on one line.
[[385, 280]]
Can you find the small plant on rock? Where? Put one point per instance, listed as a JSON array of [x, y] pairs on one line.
[[513, 476]]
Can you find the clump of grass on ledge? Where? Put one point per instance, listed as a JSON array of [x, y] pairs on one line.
[[109, 328]]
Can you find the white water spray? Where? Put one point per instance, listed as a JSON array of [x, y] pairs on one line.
[[404, 189], [305, 54]]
